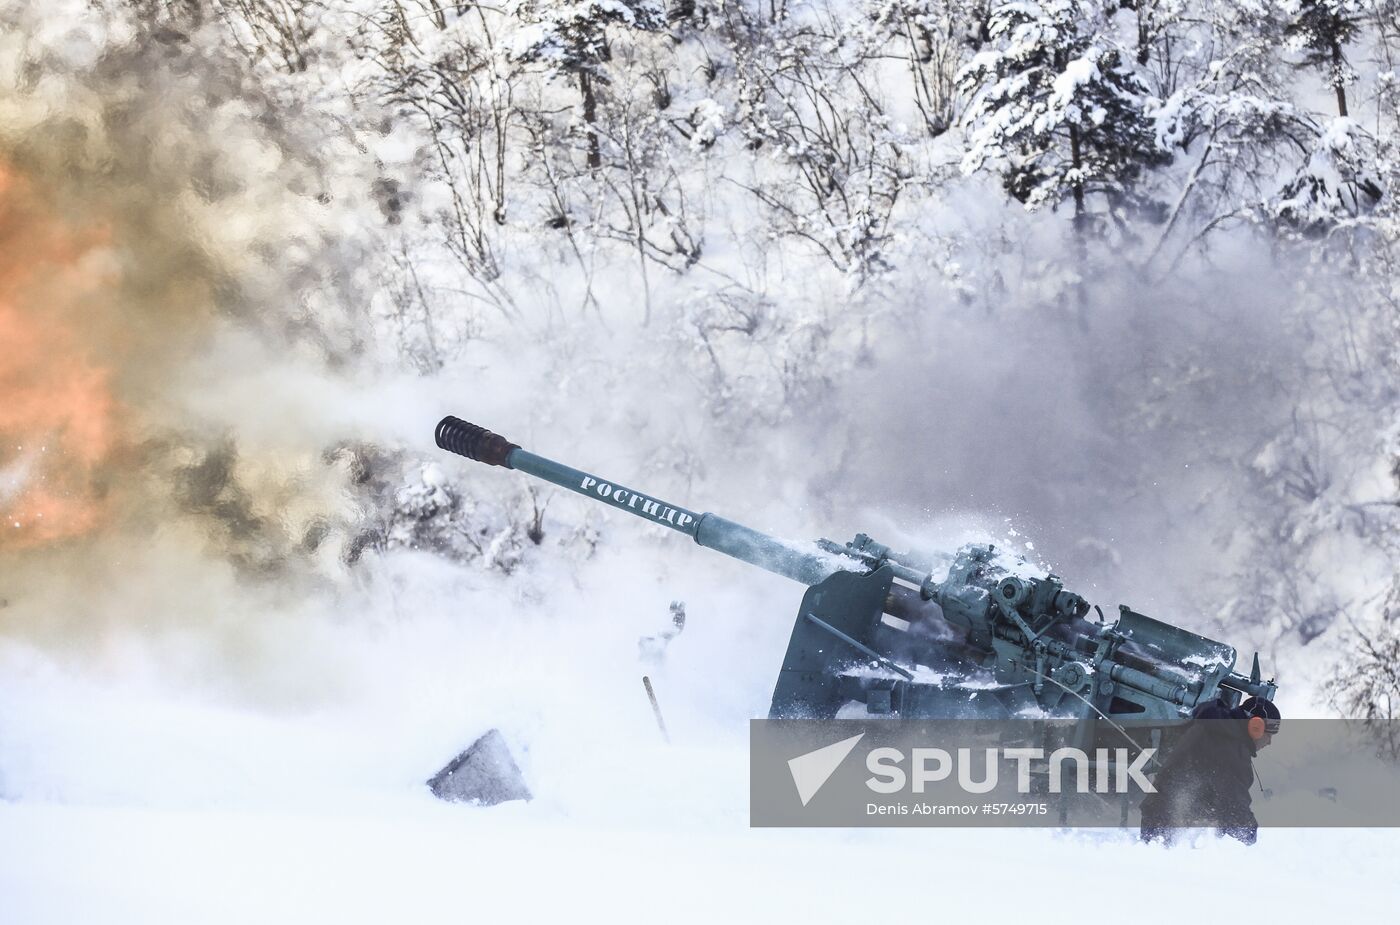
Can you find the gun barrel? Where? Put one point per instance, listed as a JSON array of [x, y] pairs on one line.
[[791, 560]]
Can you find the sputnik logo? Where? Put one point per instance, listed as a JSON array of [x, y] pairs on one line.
[[812, 770]]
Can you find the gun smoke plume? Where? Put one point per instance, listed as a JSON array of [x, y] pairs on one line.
[[176, 274], [150, 212]]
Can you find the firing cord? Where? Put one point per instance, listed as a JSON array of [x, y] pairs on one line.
[[1121, 730]]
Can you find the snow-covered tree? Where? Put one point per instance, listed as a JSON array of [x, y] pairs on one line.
[[1319, 29], [1367, 686], [1338, 183], [932, 36], [571, 37], [832, 170], [1234, 130], [1157, 21], [1057, 109]]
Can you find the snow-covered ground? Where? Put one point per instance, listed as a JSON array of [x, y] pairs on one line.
[[682, 853], [290, 788]]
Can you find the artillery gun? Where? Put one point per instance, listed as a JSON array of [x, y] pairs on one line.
[[976, 634]]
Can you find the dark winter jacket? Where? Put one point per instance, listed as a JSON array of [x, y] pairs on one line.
[[1205, 778]]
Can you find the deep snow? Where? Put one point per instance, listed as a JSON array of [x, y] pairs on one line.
[[132, 797]]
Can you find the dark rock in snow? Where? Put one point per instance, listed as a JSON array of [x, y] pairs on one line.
[[484, 774]]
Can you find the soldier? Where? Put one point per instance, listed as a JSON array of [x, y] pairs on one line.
[[1206, 776]]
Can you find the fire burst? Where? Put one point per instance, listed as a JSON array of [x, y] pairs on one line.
[[57, 411]]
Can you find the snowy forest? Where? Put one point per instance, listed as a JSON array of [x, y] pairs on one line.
[[1112, 283], [1120, 273]]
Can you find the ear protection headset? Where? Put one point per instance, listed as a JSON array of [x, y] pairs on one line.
[[1263, 718], [1256, 728]]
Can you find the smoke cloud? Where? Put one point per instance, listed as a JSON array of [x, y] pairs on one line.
[[160, 235]]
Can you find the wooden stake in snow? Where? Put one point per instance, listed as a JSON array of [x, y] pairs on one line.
[[656, 708]]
